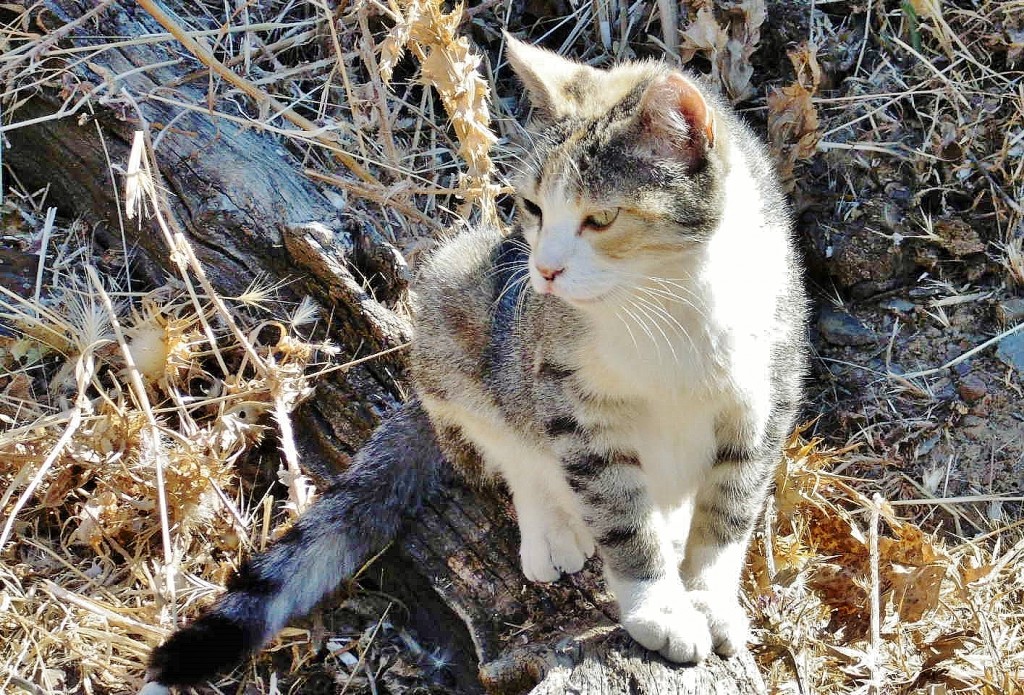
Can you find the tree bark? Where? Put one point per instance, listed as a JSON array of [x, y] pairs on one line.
[[249, 211]]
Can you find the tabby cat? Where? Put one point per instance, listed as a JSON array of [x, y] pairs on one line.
[[628, 359]]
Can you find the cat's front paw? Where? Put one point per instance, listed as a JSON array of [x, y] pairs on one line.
[[726, 619], [662, 618], [556, 544]]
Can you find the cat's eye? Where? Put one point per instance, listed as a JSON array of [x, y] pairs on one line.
[[532, 208], [599, 221]]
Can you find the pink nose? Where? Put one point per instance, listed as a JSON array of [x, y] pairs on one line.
[[549, 274]]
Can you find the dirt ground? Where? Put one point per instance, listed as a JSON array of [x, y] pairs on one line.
[[910, 217]]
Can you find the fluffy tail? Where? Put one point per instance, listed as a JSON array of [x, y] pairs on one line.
[[357, 516]]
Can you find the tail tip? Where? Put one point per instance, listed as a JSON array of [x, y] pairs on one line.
[[212, 644]]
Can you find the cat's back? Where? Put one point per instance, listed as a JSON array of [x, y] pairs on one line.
[[453, 299]]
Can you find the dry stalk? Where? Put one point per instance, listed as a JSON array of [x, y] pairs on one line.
[[58, 448], [450, 66], [262, 98], [51, 215], [960, 358], [299, 488], [669, 13], [875, 653], [151, 437], [141, 180]]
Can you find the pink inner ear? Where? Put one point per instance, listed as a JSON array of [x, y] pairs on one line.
[[673, 94]]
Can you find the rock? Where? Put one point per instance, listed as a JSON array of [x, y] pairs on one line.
[[899, 306], [1010, 312], [972, 388], [958, 237], [861, 255], [18, 271], [924, 292], [1011, 351], [841, 328]]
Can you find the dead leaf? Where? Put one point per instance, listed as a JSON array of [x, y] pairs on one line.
[[728, 43], [804, 59], [974, 574], [792, 117], [915, 590], [704, 35], [945, 647]]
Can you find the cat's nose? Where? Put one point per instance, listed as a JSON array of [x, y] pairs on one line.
[[549, 273]]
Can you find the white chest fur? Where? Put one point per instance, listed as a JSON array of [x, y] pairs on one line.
[[672, 412], [675, 441]]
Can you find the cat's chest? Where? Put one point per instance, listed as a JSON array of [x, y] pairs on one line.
[[667, 417], [666, 411], [619, 367], [675, 442]]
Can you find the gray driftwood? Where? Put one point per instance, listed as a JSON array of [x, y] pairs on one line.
[[245, 205]]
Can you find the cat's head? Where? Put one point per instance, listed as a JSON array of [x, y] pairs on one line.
[[622, 173]]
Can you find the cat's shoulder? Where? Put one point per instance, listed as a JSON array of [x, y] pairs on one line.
[[459, 277], [458, 255]]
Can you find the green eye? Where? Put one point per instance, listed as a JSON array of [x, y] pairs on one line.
[[600, 221]]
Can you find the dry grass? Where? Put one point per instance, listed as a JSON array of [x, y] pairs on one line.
[[852, 597], [126, 412]]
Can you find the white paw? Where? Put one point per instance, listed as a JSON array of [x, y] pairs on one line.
[[558, 544], [662, 618], [726, 618]]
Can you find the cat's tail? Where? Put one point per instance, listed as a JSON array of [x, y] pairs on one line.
[[363, 511]]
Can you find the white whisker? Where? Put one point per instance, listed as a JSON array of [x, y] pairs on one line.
[[671, 297], [661, 311], [643, 326], [499, 267], [518, 312], [513, 282], [629, 330], [657, 325]]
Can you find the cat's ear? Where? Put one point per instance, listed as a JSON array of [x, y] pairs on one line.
[[553, 83], [677, 119]]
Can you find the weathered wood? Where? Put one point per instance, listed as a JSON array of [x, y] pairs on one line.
[[248, 210]]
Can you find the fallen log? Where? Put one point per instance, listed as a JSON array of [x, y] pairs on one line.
[[248, 210]]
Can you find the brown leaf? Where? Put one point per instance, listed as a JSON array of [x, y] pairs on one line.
[[804, 59], [915, 590], [792, 117], [974, 574], [727, 43], [945, 647], [704, 35]]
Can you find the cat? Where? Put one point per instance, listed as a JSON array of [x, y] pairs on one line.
[[628, 360]]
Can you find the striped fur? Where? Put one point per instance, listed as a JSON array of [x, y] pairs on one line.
[[642, 333], [628, 360]]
